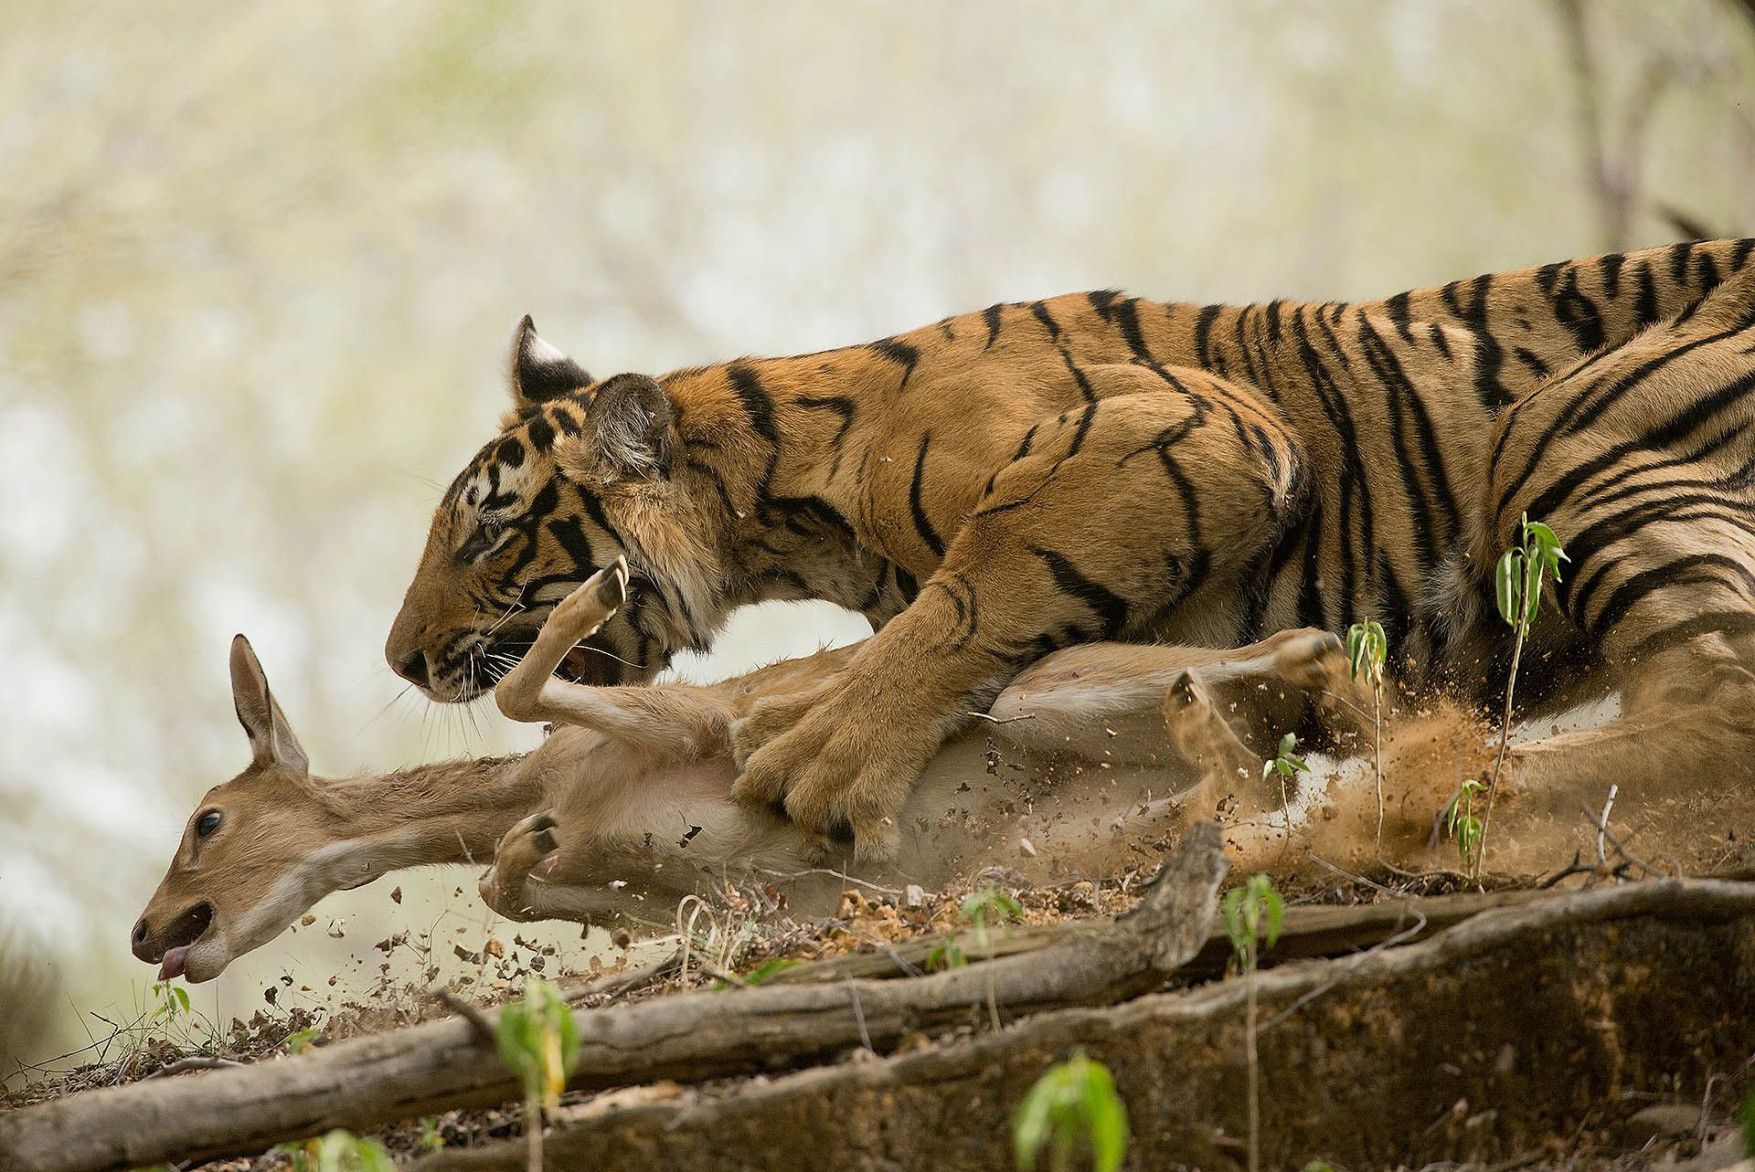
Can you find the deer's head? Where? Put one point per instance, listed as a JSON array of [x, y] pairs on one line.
[[256, 854]]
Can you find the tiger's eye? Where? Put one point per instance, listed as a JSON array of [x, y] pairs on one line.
[[207, 824]]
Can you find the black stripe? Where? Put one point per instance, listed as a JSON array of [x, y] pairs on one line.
[[1110, 607], [1397, 307], [1578, 313], [1047, 320], [839, 404], [991, 315], [1635, 588], [1735, 622], [1678, 257], [923, 523], [900, 353], [1203, 329], [1645, 302], [1609, 269]]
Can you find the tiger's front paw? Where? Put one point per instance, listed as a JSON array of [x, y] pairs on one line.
[[844, 764]]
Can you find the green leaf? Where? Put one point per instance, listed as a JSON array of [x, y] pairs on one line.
[[1288, 743], [1276, 913], [771, 969], [1509, 583], [1072, 1101]]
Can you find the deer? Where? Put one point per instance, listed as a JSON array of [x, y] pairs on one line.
[[626, 806]]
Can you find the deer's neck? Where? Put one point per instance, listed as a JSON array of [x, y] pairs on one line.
[[447, 812]]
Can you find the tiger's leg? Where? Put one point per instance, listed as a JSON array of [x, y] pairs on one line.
[[1646, 471], [1096, 534]]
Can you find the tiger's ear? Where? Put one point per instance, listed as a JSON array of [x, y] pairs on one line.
[[629, 433], [539, 371]]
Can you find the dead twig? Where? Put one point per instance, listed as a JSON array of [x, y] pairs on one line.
[[195, 1062]]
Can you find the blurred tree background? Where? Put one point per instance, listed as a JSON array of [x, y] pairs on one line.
[[258, 264]]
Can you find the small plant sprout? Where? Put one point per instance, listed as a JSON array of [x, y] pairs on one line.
[[1367, 648], [1462, 823], [988, 907], [539, 1041], [1288, 766], [1253, 913], [169, 1001], [1518, 588], [1073, 1102], [338, 1151]]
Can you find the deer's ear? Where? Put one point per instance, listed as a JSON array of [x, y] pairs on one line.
[[629, 433], [271, 737], [539, 371]]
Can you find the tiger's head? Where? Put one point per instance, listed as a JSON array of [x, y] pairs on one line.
[[583, 471]]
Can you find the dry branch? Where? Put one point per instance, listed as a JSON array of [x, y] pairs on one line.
[[362, 1083], [1523, 1023]]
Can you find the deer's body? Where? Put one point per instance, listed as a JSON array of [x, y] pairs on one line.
[[627, 806]]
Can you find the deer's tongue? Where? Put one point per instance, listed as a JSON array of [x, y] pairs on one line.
[[174, 959]]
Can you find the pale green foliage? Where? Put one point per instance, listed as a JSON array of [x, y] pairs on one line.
[[1073, 1103], [539, 1041], [1287, 765], [989, 907], [339, 1151], [1462, 823], [1518, 581], [299, 1041], [169, 1001], [1367, 648], [948, 955], [1253, 914], [982, 910], [1518, 588], [427, 1136]]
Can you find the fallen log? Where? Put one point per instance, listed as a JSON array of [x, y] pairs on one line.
[[362, 1083], [1474, 1047], [1307, 932]]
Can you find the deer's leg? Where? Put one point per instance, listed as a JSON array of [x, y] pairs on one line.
[[669, 719], [1073, 700], [528, 845]]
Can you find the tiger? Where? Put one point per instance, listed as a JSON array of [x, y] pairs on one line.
[[999, 485]]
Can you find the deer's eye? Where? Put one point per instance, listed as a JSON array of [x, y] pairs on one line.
[[481, 541], [207, 824]]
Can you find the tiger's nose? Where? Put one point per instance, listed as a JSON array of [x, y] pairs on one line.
[[414, 669]]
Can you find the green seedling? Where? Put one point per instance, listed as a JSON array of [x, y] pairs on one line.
[[1367, 649], [1518, 590], [1462, 823], [539, 1041], [338, 1151], [299, 1041], [1073, 1102], [946, 956], [1253, 913], [1288, 766], [170, 1002]]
